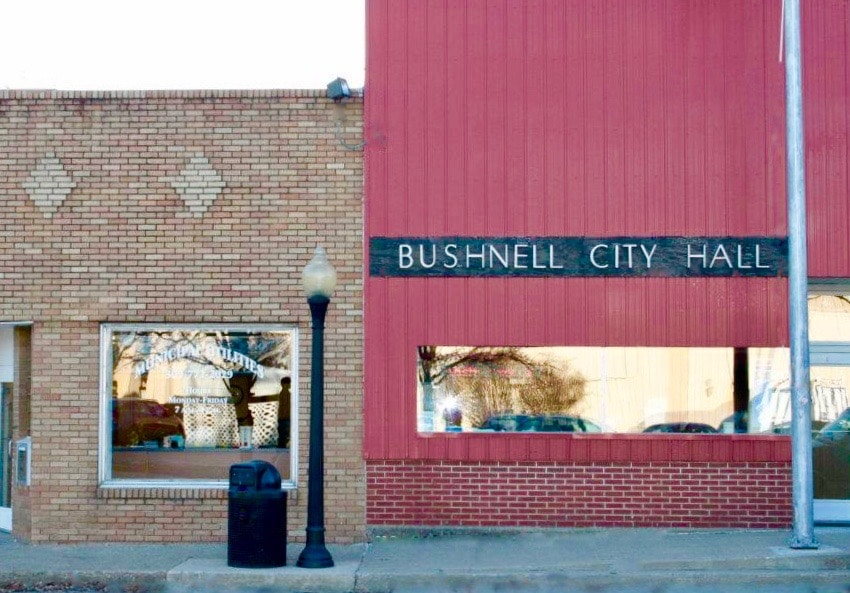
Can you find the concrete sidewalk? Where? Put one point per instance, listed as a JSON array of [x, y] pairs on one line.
[[546, 560]]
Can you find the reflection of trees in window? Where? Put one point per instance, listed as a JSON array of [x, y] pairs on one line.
[[552, 391], [228, 352], [495, 381], [268, 349], [483, 392]]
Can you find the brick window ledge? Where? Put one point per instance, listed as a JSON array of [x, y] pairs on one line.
[[168, 492]]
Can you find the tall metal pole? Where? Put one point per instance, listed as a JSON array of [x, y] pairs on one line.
[[315, 554], [801, 412]]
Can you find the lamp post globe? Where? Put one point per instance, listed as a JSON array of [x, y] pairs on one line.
[[319, 277], [319, 281]]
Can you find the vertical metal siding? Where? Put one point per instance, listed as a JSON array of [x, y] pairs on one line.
[[574, 117], [825, 90]]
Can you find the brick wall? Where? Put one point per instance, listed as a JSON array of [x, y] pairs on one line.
[[445, 493], [21, 412], [174, 207]]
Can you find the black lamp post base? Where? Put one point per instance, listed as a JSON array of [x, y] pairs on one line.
[[315, 554]]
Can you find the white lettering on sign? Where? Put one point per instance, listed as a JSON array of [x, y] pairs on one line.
[[405, 260], [519, 256], [209, 354], [700, 255], [621, 255], [733, 257], [580, 256], [470, 256], [451, 254]]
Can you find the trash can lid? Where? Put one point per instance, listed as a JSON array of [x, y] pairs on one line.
[[255, 475]]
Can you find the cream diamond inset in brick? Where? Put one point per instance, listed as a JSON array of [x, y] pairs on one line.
[[48, 185], [198, 184]]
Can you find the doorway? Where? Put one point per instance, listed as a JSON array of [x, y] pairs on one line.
[[830, 379], [6, 459], [10, 335], [829, 349]]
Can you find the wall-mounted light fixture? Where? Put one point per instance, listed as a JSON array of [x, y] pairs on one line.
[[338, 92]]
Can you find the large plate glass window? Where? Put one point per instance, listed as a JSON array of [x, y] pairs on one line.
[[593, 390], [185, 402]]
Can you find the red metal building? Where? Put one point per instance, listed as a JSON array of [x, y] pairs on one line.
[[604, 119]]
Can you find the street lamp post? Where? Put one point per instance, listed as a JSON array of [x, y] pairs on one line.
[[319, 280], [802, 487]]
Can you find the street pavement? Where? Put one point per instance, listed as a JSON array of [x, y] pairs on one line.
[[475, 561]]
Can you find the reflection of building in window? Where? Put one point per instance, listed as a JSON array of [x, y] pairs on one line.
[[829, 318], [829, 400], [179, 390], [772, 409], [582, 389], [264, 416], [480, 383], [210, 425]]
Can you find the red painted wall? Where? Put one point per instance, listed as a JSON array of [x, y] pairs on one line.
[[826, 92], [605, 118]]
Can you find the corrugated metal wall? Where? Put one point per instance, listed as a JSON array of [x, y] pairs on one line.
[[826, 76], [568, 117]]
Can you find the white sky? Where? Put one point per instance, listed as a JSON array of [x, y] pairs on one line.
[[180, 44]]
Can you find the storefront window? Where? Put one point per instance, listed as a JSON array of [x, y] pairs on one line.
[[593, 390], [186, 402]]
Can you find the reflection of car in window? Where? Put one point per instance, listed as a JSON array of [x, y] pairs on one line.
[[539, 423], [836, 431], [737, 422], [681, 427], [785, 427], [136, 421]]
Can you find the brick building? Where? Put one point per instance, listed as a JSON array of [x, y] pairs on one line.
[[135, 219], [571, 308]]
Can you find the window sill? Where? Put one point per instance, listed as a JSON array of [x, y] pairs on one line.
[[161, 491]]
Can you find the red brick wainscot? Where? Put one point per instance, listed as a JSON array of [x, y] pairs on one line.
[[755, 495]]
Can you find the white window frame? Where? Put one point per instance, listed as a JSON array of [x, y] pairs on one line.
[[105, 479]]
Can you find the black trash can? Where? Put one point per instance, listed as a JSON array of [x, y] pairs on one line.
[[256, 516]]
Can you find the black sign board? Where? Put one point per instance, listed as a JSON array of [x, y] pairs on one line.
[[578, 256]]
